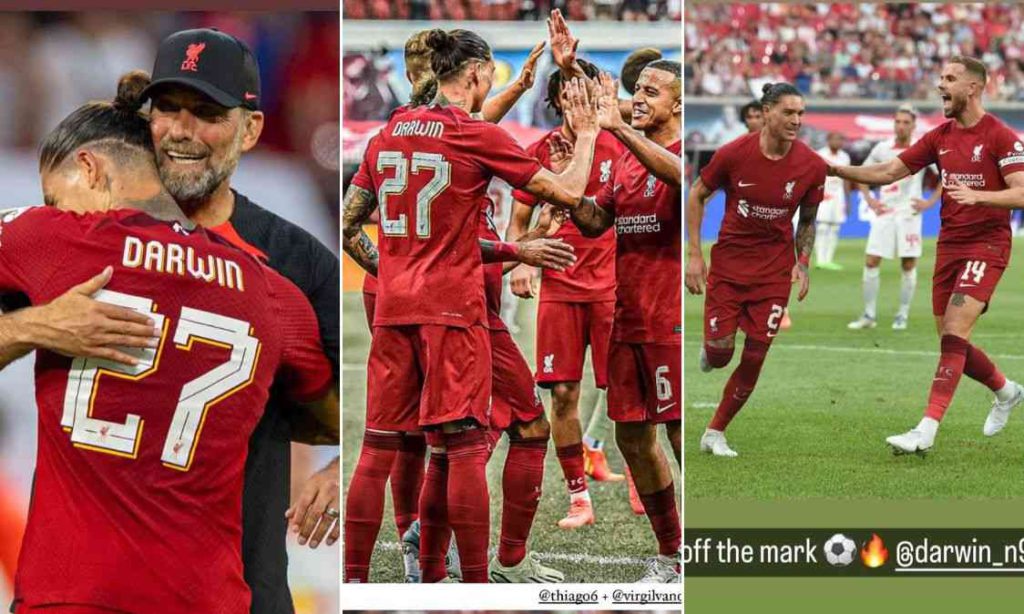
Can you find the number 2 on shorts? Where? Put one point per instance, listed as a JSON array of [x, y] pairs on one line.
[[774, 319]]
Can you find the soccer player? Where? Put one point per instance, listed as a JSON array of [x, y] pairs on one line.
[[642, 201], [432, 292], [768, 177], [138, 485], [576, 310], [406, 473], [752, 116], [977, 150], [205, 114], [833, 208], [896, 225]]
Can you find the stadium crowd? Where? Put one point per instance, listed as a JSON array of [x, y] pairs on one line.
[[876, 51], [509, 10]]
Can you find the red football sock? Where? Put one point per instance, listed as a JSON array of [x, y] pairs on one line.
[[661, 510], [407, 480], [947, 376], [434, 531], [469, 511], [979, 368], [741, 383], [364, 508], [521, 483], [571, 460]]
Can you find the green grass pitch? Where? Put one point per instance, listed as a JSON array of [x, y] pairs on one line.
[[827, 398], [612, 550]]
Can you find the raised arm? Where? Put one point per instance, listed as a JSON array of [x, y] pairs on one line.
[[497, 106], [696, 268], [873, 174], [567, 188], [664, 164], [592, 219], [359, 204]]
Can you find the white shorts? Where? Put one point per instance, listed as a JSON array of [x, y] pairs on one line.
[[895, 236], [832, 211]]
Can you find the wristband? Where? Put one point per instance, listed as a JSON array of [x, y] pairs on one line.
[[804, 260], [506, 252]]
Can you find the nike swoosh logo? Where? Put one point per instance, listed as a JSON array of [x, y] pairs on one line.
[[666, 408], [745, 185], [943, 152], [249, 96]]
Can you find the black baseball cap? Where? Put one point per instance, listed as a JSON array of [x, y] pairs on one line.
[[217, 64]]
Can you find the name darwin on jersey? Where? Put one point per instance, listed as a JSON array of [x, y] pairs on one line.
[[637, 224], [418, 128], [177, 260]]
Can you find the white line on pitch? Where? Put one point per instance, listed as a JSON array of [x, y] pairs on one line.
[[834, 348], [554, 556]]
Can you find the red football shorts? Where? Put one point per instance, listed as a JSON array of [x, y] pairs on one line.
[[514, 395], [756, 309], [427, 374], [977, 277], [644, 382], [564, 330], [369, 303]]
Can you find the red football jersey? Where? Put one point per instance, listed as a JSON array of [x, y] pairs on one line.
[[648, 224], [755, 243], [980, 157], [592, 278], [429, 167], [136, 504]]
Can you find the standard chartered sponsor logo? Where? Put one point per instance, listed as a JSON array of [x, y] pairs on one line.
[[761, 212], [971, 180], [637, 224]]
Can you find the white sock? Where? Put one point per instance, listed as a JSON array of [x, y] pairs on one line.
[[833, 241], [908, 283], [821, 243], [1005, 393], [872, 280], [928, 426], [576, 496]]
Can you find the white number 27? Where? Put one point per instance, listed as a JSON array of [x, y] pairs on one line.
[[196, 397]]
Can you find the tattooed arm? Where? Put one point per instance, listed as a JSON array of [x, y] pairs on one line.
[[359, 204], [804, 247], [592, 219]]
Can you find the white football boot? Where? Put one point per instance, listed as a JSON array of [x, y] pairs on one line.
[[713, 442], [527, 571], [862, 323], [917, 440], [662, 570], [1000, 412]]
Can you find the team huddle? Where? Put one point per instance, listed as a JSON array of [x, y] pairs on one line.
[[445, 378], [769, 175]]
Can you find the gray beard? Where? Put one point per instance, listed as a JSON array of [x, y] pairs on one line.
[[191, 191]]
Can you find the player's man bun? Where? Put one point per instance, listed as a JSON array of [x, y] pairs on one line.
[[635, 64], [129, 91], [772, 92], [117, 127], [451, 50]]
